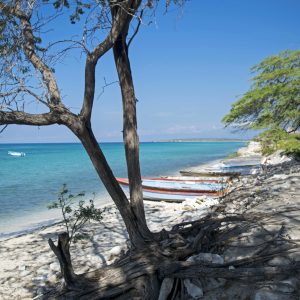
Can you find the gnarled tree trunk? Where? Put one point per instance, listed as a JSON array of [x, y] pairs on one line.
[[130, 135], [137, 229]]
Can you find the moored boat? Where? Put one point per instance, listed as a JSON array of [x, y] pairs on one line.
[[13, 153]]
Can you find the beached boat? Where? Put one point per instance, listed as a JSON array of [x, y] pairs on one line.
[[163, 190], [226, 168], [13, 153], [172, 196], [230, 166], [191, 178], [189, 186]]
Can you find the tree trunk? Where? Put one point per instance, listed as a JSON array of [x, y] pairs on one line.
[[137, 229], [62, 252], [130, 135]]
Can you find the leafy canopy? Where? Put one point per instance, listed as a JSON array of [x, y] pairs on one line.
[[274, 97]]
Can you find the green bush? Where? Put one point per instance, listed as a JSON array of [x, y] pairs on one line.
[[278, 139], [290, 146], [76, 213]]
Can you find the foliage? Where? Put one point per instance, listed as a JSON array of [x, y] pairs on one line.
[[274, 98], [278, 139], [291, 145], [75, 217]]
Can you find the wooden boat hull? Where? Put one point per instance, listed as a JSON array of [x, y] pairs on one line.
[[156, 195], [186, 187], [193, 179]]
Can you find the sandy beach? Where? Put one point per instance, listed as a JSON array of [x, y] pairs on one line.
[[29, 267]]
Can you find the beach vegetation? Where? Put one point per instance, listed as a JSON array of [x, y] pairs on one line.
[[273, 99], [272, 103], [278, 139], [75, 212]]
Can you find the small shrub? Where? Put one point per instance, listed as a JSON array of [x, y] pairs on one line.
[[75, 215], [278, 139], [290, 146]]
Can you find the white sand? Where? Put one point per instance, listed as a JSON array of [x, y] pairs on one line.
[[28, 264]]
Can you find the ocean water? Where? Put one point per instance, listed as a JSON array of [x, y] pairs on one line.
[[28, 184]]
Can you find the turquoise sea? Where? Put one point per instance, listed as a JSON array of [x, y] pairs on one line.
[[28, 184]]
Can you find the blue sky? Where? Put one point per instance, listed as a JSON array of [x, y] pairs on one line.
[[188, 68]]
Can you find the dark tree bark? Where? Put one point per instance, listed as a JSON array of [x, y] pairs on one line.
[[130, 135], [137, 230]]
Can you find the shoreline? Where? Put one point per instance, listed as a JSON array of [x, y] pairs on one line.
[[34, 268], [46, 218]]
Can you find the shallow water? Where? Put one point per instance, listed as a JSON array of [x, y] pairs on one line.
[[29, 183]]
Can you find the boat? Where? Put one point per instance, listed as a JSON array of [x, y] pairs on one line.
[[194, 179], [172, 196], [164, 190], [13, 153], [223, 169], [187, 186]]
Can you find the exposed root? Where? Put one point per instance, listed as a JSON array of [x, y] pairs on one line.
[[140, 273]]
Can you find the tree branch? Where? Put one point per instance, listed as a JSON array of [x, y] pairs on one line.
[[36, 61], [121, 18], [137, 28], [22, 118], [2, 129]]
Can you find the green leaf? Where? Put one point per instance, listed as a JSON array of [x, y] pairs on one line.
[[273, 100]]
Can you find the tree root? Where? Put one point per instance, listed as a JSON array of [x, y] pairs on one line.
[[140, 273]]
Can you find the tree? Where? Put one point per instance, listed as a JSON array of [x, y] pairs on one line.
[[274, 97], [22, 55], [27, 73]]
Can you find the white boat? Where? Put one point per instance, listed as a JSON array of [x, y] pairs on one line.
[[194, 179], [176, 191], [13, 153], [177, 186], [158, 195]]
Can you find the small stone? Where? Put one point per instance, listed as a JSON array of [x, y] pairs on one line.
[[22, 268], [24, 273], [39, 278], [52, 278], [207, 257], [54, 266], [193, 290], [114, 252]]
